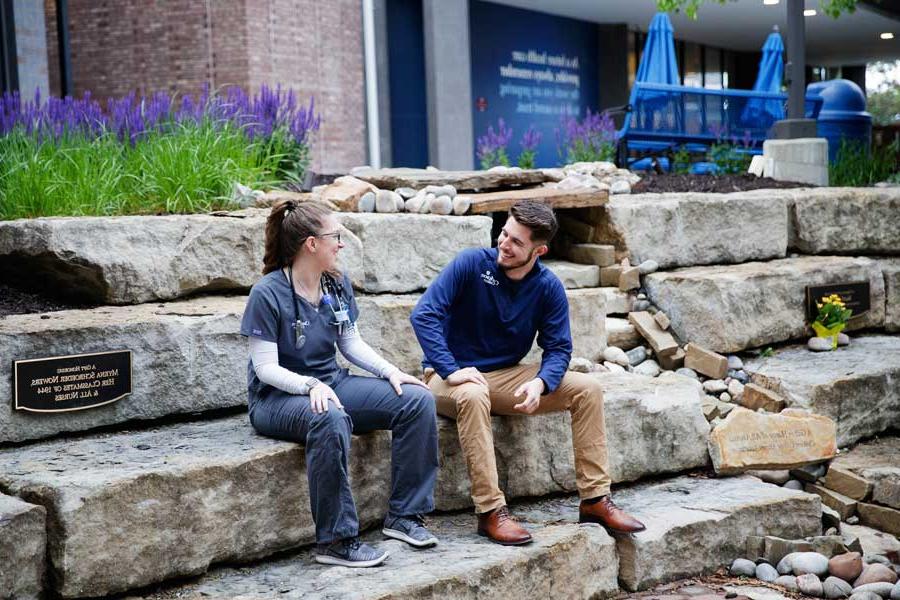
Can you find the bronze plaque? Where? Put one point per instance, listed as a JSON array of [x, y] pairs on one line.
[[856, 297], [75, 382]]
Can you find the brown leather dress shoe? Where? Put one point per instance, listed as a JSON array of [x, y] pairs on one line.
[[606, 513], [500, 527]]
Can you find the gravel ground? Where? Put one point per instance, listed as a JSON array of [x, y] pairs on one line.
[[656, 183]]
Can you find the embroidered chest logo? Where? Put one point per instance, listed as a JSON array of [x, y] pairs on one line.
[[489, 279]]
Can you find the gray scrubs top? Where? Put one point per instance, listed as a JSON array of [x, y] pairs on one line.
[[270, 316]]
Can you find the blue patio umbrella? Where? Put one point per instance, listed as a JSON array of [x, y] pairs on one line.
[[768, 79], [658, 61]]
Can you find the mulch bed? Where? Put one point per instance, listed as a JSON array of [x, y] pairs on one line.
[[14, 301], [655, 183]]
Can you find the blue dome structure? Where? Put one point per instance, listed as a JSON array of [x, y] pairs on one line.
[[843, 115]]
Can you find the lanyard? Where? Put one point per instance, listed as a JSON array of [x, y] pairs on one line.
[[341, 315]]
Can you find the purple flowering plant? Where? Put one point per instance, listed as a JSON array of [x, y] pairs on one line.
[[729, 153], [593, 138], [529, 143], [152, 153], [491, 147]]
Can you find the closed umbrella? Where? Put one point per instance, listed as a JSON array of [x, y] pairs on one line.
[[658, 61], [771, 72]]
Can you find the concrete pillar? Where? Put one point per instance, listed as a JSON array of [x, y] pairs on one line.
[[856, 74], [384, 81], [612, 59], [31, 48], [448, 83]]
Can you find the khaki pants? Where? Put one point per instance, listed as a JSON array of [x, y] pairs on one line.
[[473, 404]]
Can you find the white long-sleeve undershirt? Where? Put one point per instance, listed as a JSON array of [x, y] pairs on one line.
[[264, 356]]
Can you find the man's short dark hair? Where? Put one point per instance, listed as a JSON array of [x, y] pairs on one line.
[[536, 216]]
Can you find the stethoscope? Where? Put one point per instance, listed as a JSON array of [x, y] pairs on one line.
[[331, 291]]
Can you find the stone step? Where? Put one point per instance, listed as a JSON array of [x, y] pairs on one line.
[[729, 308], [694, 527], [167, 257], [877, 464], [23, 545], [890, 268], [622, 334], [195, 345], [690, 229], [845, 221], [617, 301], [856, 385], [169, 501], [678, 230], [565, 560], [574, 275]]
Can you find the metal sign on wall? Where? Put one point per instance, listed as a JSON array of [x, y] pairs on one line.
[[74, 382], [856, 297]]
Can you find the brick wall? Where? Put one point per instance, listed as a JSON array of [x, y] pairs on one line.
[[313, 47]]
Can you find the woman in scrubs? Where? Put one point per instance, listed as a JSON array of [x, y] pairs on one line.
[[296, 315]]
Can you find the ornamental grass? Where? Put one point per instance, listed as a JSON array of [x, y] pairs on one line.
[[147, 154]]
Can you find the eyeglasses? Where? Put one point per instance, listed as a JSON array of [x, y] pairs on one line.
[[336, 235]]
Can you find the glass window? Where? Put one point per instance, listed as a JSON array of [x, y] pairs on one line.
[[712, 76], [693, 67]]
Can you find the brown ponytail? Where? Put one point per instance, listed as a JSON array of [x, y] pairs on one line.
[[289, 225]]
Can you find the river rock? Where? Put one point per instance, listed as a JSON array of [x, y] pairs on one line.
[[765, 441], [883, 589], [461, 205], [441, 190], [427, 201], [442, 205], [766, 572], [895, 591], [649, 367], [788, 582], [636, 355], [735, 363], [810, 585], [834, 587], [580, 364], [366, 203], [345, 192], [864, 596], [406, 192], [809, 562], [685, 372], [729, 308], [847, 566], [843, 339], [736, 389], [875, 573], [714, 386], [648, 266], [616, 355], [819, 344], [743, 567]]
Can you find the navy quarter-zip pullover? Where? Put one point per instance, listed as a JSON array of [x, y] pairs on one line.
[[473, 315]]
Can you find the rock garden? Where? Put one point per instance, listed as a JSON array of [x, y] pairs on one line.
[[749, 450]]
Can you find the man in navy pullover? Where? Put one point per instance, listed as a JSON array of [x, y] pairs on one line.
[[475, 323]]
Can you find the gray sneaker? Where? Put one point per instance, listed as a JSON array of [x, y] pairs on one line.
[[349, 553], [409, 529]]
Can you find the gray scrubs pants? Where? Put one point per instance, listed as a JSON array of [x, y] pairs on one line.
[[369, 404]]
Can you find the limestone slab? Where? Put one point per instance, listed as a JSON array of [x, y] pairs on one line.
[[23, 542], [856, 385], [565, 561], [169, 501], [730, 308], [696, 525], [847, 483], [187, 356], [574, 275], [840, 503], [662, 341], [622, 334], [890, 268], [602, 255], [617, 301], [167, 257], [845, 221], [876, 462], [462, 180], [750, 440], [686, 229], [402, 253], [882, 518]]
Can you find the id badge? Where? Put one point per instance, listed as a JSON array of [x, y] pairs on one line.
[[342, 316], [299, 336]]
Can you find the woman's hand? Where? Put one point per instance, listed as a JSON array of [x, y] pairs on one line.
[[319, 396], [398, 377]]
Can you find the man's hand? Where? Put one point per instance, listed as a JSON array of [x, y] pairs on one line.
[[398, 377], [469, 374], [319, 396], [532, 391]]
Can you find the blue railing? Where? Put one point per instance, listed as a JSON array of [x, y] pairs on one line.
[[661, 118]]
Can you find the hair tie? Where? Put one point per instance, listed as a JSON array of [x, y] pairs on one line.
[[289, 205]]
